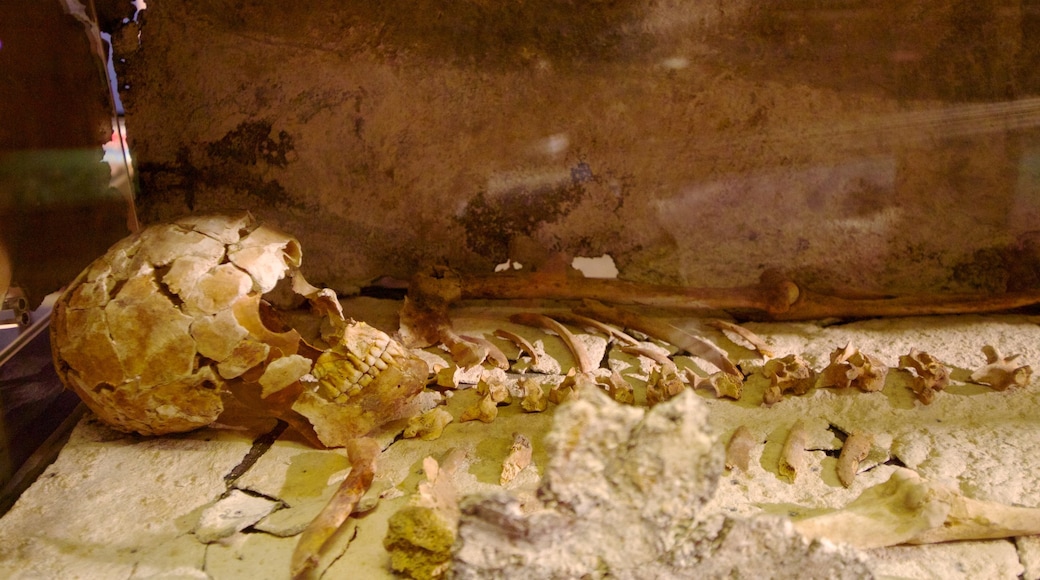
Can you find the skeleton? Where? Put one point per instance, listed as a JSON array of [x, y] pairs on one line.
[[185, 324], [175, 328]]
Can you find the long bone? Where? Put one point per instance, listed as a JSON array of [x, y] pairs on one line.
[[774, 297]]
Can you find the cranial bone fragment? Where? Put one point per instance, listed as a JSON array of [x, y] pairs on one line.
[[857, 446], [929, 375], [908, 509], [790, 374], [851, 368], [738, 450], [792, 456], [1001, 372], [518, 459]]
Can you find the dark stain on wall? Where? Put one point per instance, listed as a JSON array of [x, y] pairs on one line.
[[214, 167], [252, 142], [491, 221]]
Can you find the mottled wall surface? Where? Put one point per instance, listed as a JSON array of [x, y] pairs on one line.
[[888, 145]]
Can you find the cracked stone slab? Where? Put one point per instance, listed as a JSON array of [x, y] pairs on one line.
[[950, 561], [233, 513], [113, 505]]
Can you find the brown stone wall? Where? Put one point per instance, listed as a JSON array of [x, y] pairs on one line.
[[879, 146]]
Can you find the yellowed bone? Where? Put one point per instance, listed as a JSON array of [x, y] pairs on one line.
[[908, 509]]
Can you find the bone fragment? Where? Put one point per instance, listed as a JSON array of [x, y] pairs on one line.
[[420, 535], [522, 343], [663, 384], [425, 320], [618, 388], [856, 447], [494, 354], [535, 399], [726, 385], [908, 509], [665, 381], [581, 354], [518, 459], [738, 450], [928, 374], [790, 374], [793, 454], [452, 377], [774, 297], [1001, 372], [429, 425], [569, 386], [756, 342], [660, 329], [362, 454], [494, 384], [485, 410], [591, 323], [851, 368]]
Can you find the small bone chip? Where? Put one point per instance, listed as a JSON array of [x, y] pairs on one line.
[[518, 459]]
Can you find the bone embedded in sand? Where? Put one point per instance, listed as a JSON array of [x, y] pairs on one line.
[[738, 450], [908, 509], [849, 367], [793, 455], [857, 446]]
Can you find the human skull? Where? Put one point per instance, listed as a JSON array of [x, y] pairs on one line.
[[173, 327]]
